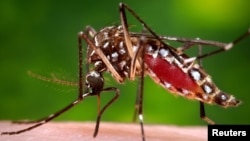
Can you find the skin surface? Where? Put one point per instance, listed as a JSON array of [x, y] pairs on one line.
[[83, 131]]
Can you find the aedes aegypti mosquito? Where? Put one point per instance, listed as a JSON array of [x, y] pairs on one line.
[[126, 54]]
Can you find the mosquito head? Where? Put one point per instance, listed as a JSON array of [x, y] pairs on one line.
[[94, 81], [226, 100]]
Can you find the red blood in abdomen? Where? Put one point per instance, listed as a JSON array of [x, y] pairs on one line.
[[170, 73]]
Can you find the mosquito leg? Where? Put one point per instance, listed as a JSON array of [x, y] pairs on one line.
[[138, 56], [42, 121], [89, 32], [80, 70], [124, 6], [202, 106], [47, 119], [136, 104], [139, 98], [222, 46], [196, 41], [80, 84], [140, 91], [128, 42], [227, 46], [125, 29], [80, 92], [203, 114], [199, 54], [188, 43], [130, 50], [183, 48], [117, 93]]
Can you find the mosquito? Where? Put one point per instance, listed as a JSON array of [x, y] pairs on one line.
[[131, 55]]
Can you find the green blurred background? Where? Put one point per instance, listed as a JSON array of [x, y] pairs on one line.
[[41, 36]]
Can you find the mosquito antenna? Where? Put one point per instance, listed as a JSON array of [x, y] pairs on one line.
[[54, 79]]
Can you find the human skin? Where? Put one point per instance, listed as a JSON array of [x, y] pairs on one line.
[[83, 131]]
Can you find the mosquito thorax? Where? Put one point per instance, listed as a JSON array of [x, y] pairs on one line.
[[112, 44]]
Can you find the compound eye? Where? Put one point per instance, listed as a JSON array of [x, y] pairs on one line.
[[94, 81]]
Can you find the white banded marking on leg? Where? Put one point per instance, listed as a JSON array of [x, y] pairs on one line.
[[141, 117], [228, 46]]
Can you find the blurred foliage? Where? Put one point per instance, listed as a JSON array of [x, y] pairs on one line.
[[41, 36]]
